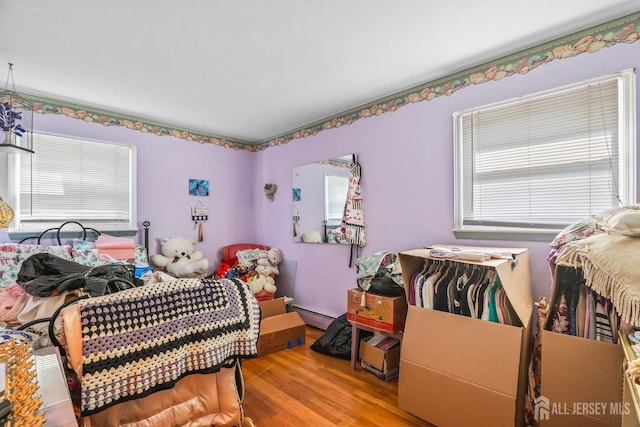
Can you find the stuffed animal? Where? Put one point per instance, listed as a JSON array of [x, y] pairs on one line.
[[312, 237], [264, 279], [270, 258], [179, 257], [275, 256], [265, 271], [155, 277]]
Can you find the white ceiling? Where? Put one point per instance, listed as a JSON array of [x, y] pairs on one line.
[[254, 69]]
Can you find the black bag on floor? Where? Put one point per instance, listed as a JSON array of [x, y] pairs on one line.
[[336, 340]]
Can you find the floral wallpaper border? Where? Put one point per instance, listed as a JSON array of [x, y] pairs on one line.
[[622, 30], [49, 106], [337, 163]]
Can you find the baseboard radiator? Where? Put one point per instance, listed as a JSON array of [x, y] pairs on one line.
[[311, 318]]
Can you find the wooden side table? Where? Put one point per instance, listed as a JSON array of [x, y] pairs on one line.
[[355, 339]]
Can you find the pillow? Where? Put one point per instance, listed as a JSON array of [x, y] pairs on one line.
[[578, 230], [86, 253], [624, 221], [248, 257], [8, 264], [25, 251], [79, 244]]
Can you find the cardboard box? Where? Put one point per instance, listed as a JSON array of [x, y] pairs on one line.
[[381, 361], [456, 370], [278, 329], [581, 381], [380, 312]]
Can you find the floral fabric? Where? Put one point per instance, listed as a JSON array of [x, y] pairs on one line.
[[86, 253], [577, 231], [13, 254]]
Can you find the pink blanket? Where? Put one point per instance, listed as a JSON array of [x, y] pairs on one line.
[[118, 248]]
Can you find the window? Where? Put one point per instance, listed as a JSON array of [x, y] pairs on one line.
[[71, 179], [335, 195], [538, 163]]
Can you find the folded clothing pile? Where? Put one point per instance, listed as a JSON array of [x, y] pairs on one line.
[[115, 248]]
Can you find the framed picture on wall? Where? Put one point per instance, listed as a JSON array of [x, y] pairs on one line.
[[198, 187], [297, 196]]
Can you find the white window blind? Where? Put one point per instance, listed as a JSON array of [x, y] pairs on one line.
[[546, 160], [72, 179], [335, 194]]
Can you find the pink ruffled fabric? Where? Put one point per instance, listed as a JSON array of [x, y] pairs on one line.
[[9, 298]]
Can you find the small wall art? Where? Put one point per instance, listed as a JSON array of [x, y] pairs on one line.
[[198, 187], [297, 195]]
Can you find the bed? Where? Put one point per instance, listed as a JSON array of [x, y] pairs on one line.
[[154, 354]]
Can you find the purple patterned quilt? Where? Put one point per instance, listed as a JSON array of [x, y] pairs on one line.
[[145, 339]]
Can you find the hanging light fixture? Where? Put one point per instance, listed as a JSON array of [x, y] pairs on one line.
[[16, 119]]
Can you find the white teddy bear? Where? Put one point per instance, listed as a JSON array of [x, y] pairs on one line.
[[266, 270], [265, 279], [179, 257], [271, 258]]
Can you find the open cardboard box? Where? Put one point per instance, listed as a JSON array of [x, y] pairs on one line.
[[383, 362], [456, 370], [581, 380], [278, 329]]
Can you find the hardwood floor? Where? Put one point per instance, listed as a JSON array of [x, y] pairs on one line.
[[300, 387]]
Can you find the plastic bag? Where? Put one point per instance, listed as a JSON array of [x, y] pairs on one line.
[[336, 340], [380, 274], [45, 275]]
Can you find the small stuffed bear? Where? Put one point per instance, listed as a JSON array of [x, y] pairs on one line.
[[272, 258], [264, 279], [265, 272], [179, 257], [312, 237], [275, 256]]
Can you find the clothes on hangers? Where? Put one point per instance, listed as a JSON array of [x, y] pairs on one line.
[[579, 311], [469, 290]]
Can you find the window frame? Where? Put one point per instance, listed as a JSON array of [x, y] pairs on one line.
[[20, 229], [627, 179], [329, 190]]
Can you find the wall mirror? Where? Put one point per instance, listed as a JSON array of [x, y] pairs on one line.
[[319, 196]]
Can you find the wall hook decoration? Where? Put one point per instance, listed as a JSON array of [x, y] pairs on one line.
[[270, 190], [199, 214]]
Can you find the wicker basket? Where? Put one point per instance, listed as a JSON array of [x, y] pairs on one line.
[[6, 214]]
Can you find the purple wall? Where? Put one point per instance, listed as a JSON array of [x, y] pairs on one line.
[[165, 165], [407, 179], [407, 183]]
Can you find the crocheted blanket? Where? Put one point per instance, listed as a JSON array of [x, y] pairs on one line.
[[142, 340], [610, 266]]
